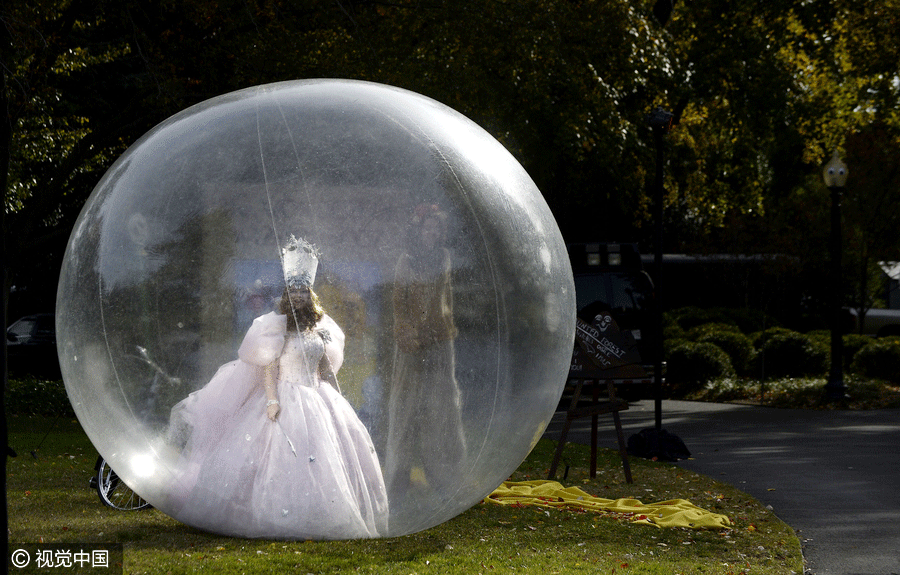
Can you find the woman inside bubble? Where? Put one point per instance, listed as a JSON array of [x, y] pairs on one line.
[[425, 442], [271, 447]]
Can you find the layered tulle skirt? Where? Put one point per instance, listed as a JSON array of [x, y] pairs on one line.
[[311, 474]]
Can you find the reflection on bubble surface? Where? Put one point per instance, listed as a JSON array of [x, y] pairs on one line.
[[439, 263]]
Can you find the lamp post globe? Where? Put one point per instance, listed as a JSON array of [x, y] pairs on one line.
[[835, 172]]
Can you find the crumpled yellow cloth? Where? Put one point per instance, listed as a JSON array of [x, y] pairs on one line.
[[674, 513]]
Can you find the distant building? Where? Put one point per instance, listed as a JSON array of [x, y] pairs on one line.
[[761, 281]]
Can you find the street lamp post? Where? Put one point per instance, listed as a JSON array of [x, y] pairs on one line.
[[662, 443], [835, 174], [661, 122]]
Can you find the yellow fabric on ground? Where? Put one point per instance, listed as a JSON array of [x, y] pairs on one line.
[[674, 513]]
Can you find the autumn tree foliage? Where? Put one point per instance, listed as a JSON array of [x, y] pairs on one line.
[[762, 94]]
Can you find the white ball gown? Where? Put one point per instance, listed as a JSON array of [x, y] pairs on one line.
[[311, 474]]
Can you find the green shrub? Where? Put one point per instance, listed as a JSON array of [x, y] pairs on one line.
[[692, 365], [880, 359], [737, 345], [696, 332], [673, 331], [791, 354], [759, 338], [671, 344], [34, 396], [750, 320], [853, 342]]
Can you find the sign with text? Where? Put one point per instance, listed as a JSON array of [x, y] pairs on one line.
[[603, 351]]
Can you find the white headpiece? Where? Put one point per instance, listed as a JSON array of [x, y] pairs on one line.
[[299, 260]]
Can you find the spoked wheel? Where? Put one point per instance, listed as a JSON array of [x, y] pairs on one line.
[[113, 491]]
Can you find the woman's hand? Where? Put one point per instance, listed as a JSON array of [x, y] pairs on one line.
[[272, 406]]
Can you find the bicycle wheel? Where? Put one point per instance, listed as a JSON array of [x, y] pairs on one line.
[[114, 492]]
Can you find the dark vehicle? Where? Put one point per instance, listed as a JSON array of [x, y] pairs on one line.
[[31, 346], [609, 277], [876, 322]]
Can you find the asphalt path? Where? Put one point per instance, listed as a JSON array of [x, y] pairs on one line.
[[834, 476]]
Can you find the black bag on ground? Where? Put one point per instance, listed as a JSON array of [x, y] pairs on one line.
[[650, 443]]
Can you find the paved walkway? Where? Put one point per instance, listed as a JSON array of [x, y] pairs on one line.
[[834, 476]]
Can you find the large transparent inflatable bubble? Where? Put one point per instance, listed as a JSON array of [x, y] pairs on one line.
[[201, 369]]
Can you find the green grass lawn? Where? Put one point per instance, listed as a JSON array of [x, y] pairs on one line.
[[50, 501]]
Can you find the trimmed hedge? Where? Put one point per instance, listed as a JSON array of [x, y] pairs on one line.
[[880, 359], [737, 345], [697, 332], [750, 320], [779, 351], [671, 344], [729, 339], [791, 354], [758, 338], [673, 331], [853, 342], [691, 365]]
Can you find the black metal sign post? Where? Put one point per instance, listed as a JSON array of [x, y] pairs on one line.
[[661, 123], [658, 439]]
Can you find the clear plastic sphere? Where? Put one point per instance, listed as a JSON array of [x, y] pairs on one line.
[[445, 280]]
